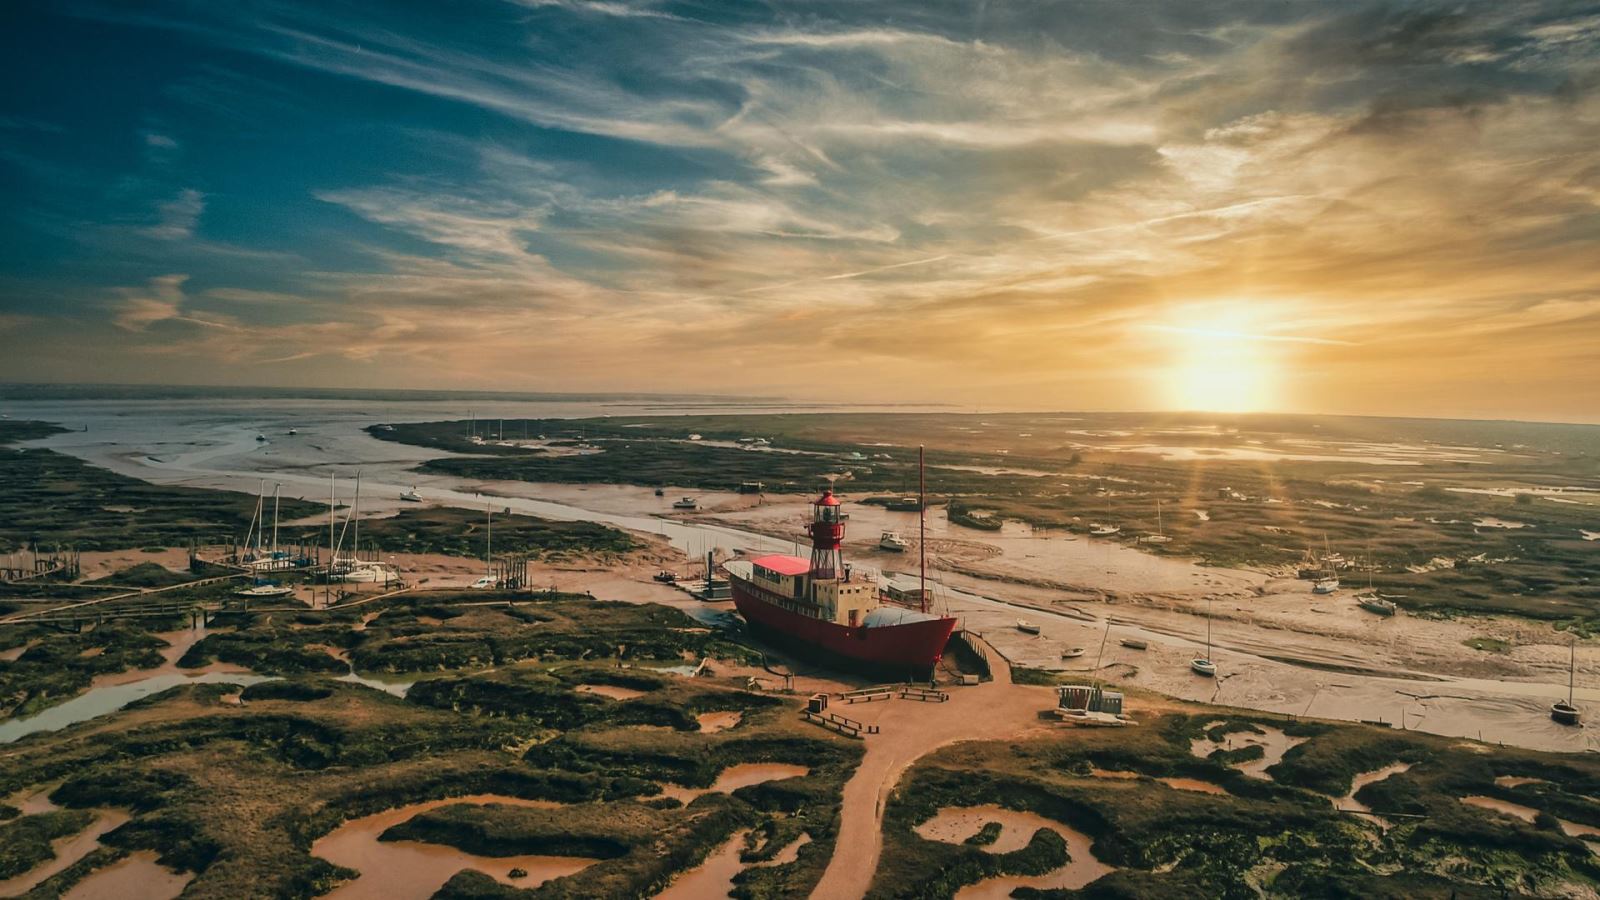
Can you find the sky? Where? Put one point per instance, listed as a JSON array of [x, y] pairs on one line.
[[1387, 208]]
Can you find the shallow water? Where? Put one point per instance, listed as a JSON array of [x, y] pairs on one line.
[[1273, 743], [101, 701], [1349, 803], [136, 876], [714, 877], [613, 691], [1194, 784], [713, 722], [68, 850], [954, 825], [403, 870], [1505, 807], [735, 777], [397, 687]]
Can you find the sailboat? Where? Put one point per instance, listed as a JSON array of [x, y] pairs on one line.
[[1328, 581], [1098, 530], [353, 569], [269, 560], [1160, 537], [1202, 665], [1563, 711], [1372, 601]]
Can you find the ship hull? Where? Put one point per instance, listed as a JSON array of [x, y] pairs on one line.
[[911, 650]]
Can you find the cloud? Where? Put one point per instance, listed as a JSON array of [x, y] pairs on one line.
[[178, 217], [159, 301], [1020, 195]]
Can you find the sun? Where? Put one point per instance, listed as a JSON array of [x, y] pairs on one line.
[[1216, 363]]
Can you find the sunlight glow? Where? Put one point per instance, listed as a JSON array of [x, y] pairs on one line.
[[1219, 362]]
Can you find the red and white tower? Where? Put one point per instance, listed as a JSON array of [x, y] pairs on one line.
[[827, 534]]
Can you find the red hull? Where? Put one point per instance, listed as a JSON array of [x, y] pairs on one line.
[[913, 648]]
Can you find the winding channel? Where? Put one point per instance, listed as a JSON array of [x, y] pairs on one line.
[[213, 444]]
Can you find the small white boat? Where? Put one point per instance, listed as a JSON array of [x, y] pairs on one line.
[[1099, 530], [893, 542], [1203, 666], [1023, 625], [262, 438], [1325, 586], [1072, 653], [1376, 604], [366, 573], [294, 431], [686, 503], [264, 591], [483, 583], [411, 496]]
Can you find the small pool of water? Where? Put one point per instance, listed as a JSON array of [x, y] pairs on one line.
[[1194, 784], [610, 690], [412, 870], [954, 825], [735, 777], [68, 850], [136, 876], [713, 722], [100, 701]]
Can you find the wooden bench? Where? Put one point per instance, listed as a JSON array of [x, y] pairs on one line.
[[867, 695], [841, 724]]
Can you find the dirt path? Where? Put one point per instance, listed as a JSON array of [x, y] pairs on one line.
[[994, 710]]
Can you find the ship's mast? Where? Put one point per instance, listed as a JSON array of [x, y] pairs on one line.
[[922, 528]]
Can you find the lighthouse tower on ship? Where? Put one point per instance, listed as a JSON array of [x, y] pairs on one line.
[[821, 609]]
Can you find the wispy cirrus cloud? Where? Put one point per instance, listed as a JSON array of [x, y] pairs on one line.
[[1026, 192]]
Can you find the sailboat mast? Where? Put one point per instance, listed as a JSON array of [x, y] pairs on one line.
[[488, 543], [355, 514], [922, 528], [1208, 628], [276, 490], [1572, 669], [331, 502]]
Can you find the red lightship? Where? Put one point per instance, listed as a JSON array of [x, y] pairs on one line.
[[822, 610]]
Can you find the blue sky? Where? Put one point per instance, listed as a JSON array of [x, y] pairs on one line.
[[1387, 208]]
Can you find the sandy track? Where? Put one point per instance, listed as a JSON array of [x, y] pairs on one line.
[[995, 710]]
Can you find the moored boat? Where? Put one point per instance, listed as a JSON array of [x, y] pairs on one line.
[[1563, 711], [265, 591], [1325, 586], [822, 609], [1098, 530], [1376, 604], [686, 503], [1027, 627], [892, 542], [1202, 665], [1135, 644], [411, 496], [1072, 653]]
